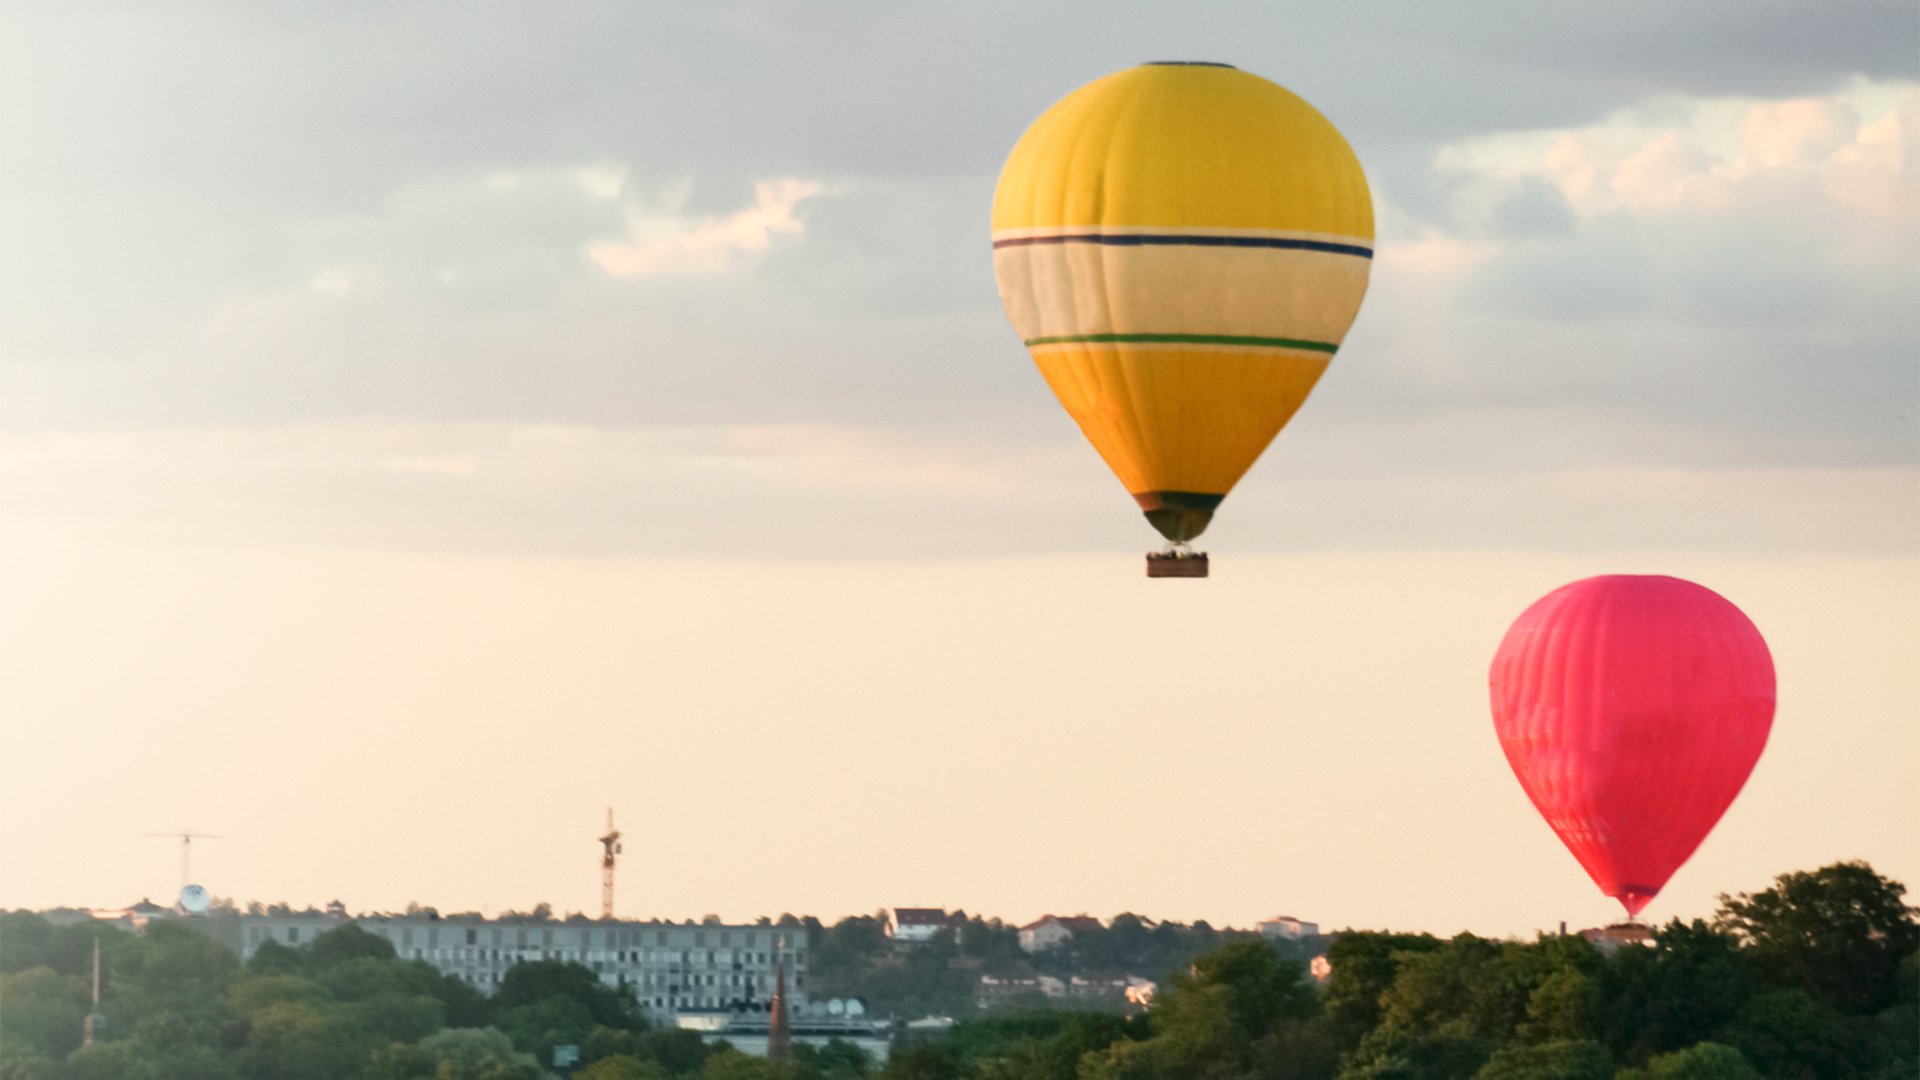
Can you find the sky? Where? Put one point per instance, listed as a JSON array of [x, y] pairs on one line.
[[423, 426]]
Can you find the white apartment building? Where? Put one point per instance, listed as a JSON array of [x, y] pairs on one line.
[[670, 966], [1288, 927]]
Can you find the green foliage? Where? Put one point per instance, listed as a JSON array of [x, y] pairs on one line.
[[1564, 1059], [623, 1067], [461, 1054], [731, 1064], [1686, 987], [29, 941], [1450, 1052], [147, 1058], [1841, 933], [837, 1060], [543, 981], [1816, 978], [1213, 1020], [1039, 1045], [1702, 1061], [681, 1052], [25, 938], [1364, 966], [347, 942], [1563, 1006], [174, 969], [42, 1010], [273, 958], [1789, 1035], [21, 1062], [922, 1062]]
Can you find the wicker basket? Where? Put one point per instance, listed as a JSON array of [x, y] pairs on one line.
[[1165, 565]]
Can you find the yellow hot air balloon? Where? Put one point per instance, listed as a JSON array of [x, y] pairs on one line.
[[1182, 247]]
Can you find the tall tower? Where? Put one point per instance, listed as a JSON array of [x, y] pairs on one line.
[[611, 844], [779, 1030], [92, 1022]]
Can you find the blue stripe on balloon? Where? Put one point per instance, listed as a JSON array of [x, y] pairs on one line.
[[1146, 239]]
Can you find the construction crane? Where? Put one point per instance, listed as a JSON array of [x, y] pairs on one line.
[[187, 837], [610, 843]]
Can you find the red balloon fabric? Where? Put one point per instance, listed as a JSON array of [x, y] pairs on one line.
[[1632, 709]]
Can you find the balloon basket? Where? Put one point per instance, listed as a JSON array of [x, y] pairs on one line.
[[1187, 564]]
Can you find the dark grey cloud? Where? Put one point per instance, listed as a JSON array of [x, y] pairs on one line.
[[241, 216]]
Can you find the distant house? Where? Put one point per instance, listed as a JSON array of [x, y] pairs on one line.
[[1609, 939], [1288, 928], [913, 925], [1050, 930], [998, 990]]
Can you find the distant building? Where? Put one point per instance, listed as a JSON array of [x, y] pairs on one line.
[[1112, 987], [1050, 930], [993, 990], [1288, 928], [1609, 939], [671, 967], [912, 925]]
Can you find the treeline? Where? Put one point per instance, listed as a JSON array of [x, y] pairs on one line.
[[177, 1005], [1815, 978], [855, 958]]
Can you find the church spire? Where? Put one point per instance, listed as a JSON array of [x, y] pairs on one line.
[[779, 1030]]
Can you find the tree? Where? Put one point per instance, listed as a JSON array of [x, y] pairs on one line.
[[1563, 1007], [623, 1067], [469, 1054], [1702, 1061], [731, 1064], [837, 1060], [924, 1062], [1263, 990], [680, 1051], [42, 1009], [536, 982], [347, 942], [1450, 1052], [27, 936], [1840, 933], [1788, 1035], [1364, 965], [1210, 1021], [1565, 1059], [298, 1032], [146, 1056], [1686, 987], [171, 970], [273, 958]]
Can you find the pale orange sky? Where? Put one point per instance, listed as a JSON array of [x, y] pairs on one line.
[[397, 465], [1301, 734]]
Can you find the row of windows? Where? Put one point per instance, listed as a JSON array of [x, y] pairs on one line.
[[725, 939]]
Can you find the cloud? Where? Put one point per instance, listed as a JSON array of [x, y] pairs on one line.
[[667, 244], [1639, 237], [1729, 279]]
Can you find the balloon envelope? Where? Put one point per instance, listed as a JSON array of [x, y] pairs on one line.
[[1632, 710], [1182, 248]]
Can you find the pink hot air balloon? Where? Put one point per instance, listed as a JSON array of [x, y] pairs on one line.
[[1632, 709]]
